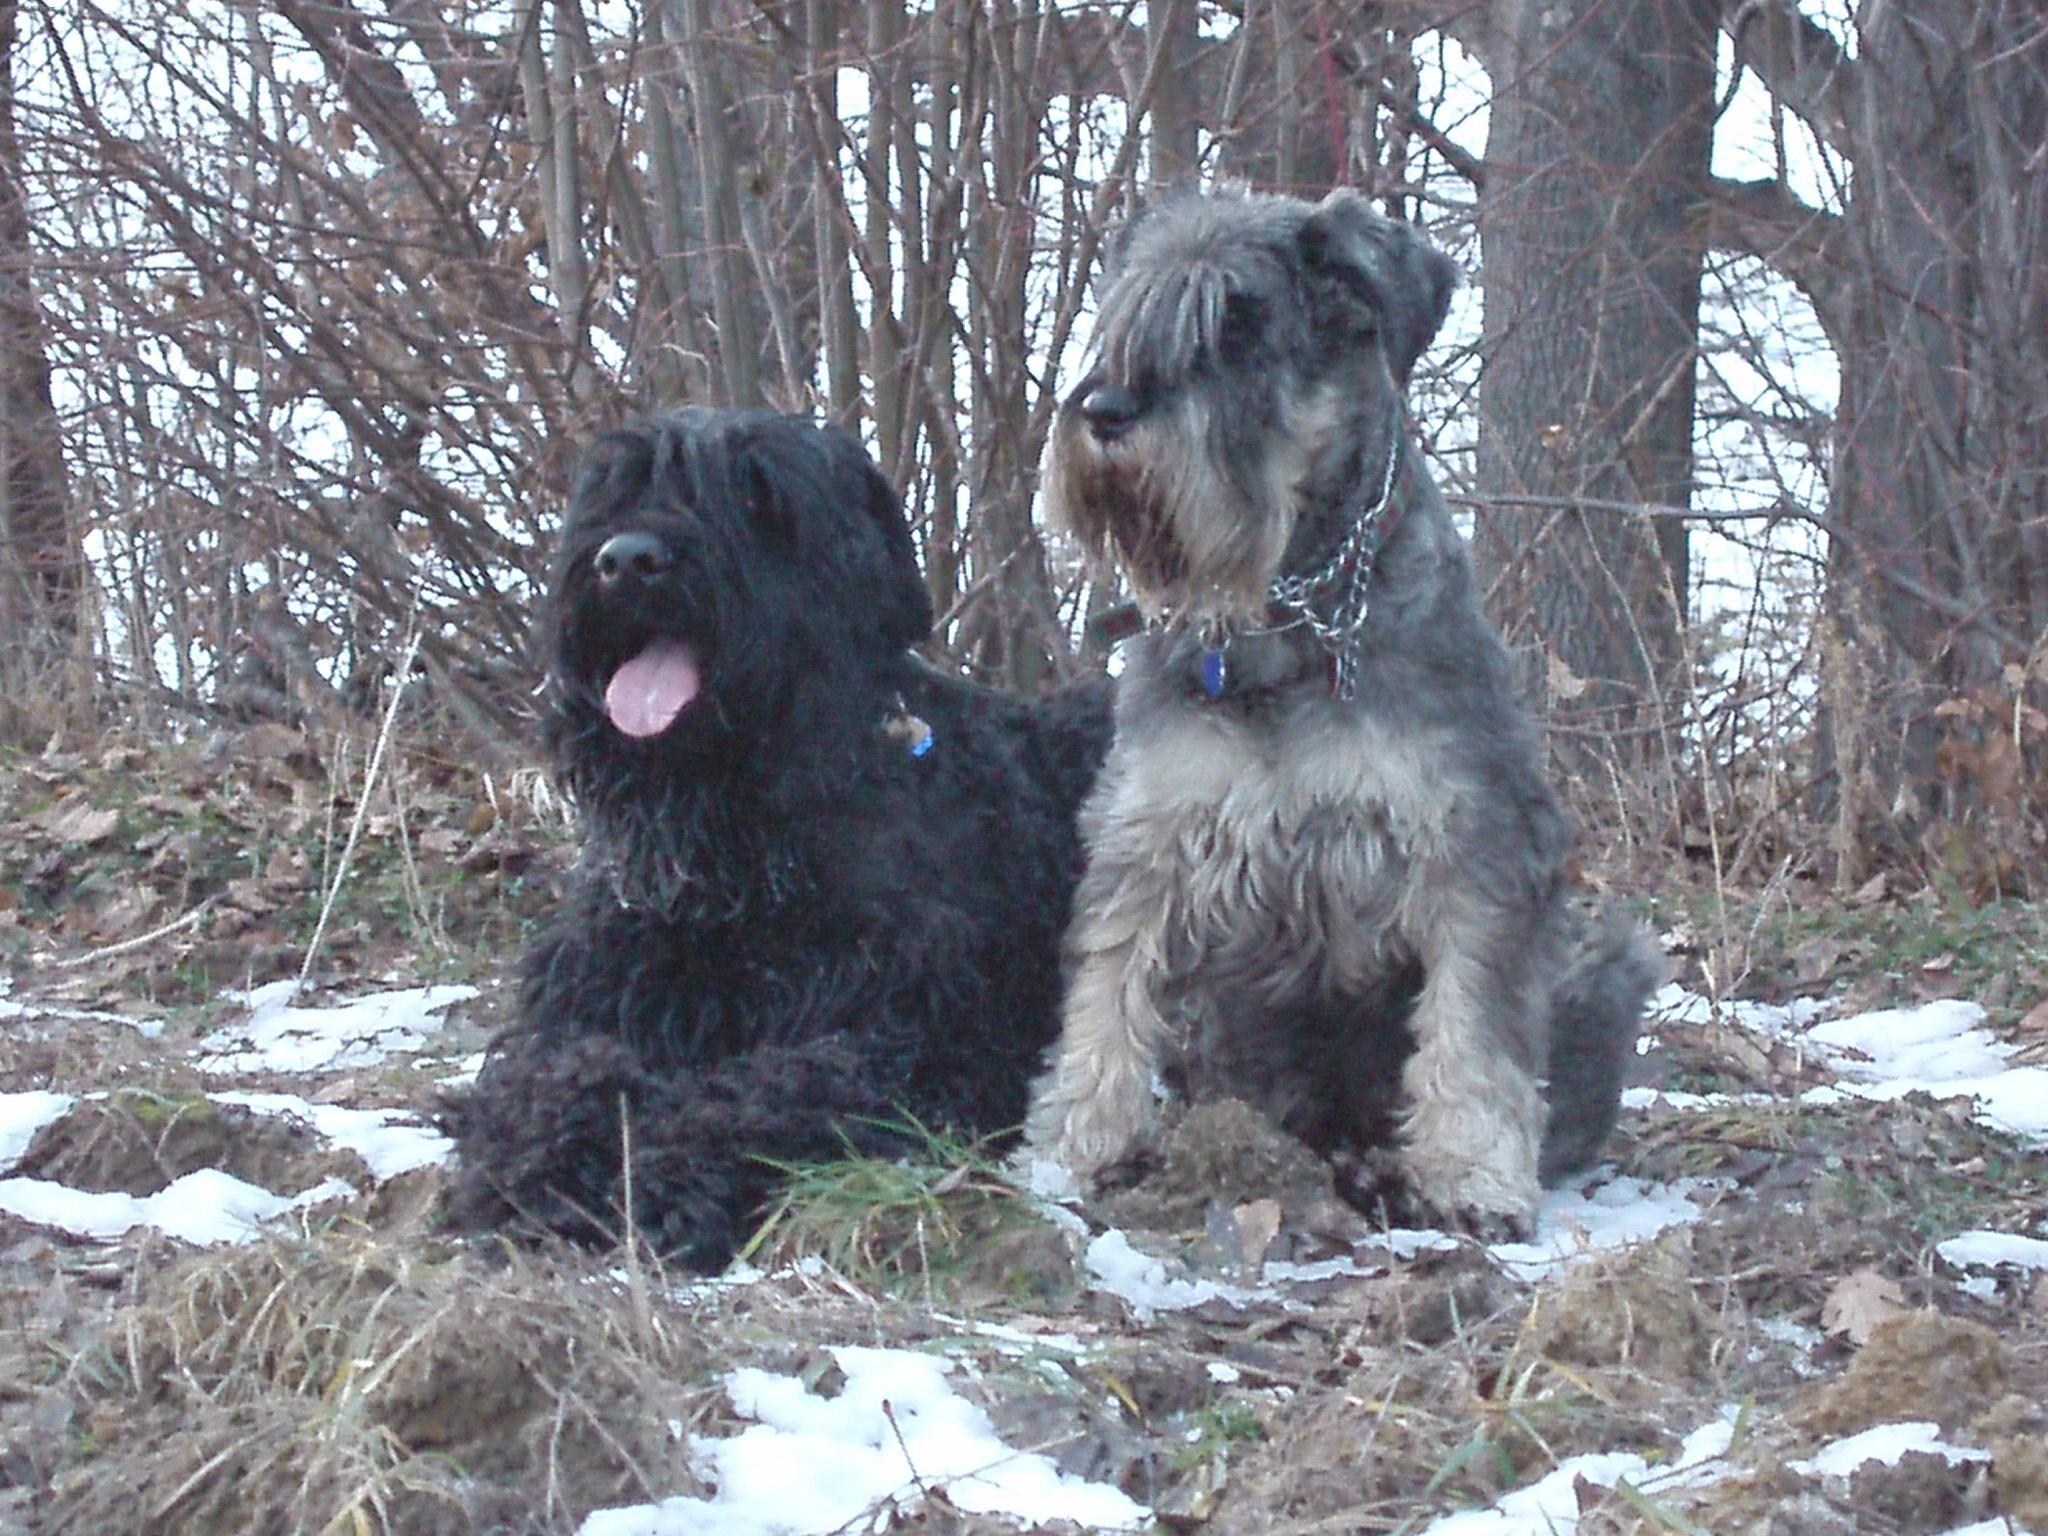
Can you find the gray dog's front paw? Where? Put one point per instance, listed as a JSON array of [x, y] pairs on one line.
[[1091, 1123], [1378, 1182]]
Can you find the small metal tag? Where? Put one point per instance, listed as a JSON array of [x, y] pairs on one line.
[[911, 730]]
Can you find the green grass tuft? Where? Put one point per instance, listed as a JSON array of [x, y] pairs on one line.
[[919, 1222]]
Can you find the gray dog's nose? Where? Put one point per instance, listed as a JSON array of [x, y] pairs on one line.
[[639, 555], [1109, 409]]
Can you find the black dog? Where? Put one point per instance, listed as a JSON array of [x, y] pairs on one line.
[[823, 885]]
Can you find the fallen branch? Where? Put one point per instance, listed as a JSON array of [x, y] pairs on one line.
[[108, 951]]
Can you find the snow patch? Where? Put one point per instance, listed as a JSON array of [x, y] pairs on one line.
[[24, 1114], [1939, 1048], [1048, 1180], [1674, 1003], [208, 1205], [1406, 1242], [1675, 1098], [811, 1464], [1800, 1338], [204, 1207], [1576, 1221], [1590, 1218], [1141, 1281], [1994, 1250], [1550, 1505], [149, 1029], [1884, 1445], [1012, 1340], [389, 1141], [1290, 1272], [1938, 1040], [278, 1037]]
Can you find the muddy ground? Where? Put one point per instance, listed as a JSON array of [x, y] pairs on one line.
[[355, 1370]]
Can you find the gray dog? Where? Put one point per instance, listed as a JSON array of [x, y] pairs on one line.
[[1325, 871]]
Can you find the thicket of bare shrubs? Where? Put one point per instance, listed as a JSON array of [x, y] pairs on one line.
[[304, 308]]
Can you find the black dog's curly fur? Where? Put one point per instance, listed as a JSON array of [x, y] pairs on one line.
[[789, 927]]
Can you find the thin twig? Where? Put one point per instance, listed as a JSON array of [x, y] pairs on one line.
[[889, 1413], [355, 829], [1775, 512]]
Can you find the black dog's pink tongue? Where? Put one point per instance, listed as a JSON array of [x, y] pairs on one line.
[[648, 692]]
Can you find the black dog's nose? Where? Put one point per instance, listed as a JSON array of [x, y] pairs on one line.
[[639, 555], [1109, 409]]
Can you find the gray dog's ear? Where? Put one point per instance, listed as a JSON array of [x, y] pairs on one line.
[[1407, 280]]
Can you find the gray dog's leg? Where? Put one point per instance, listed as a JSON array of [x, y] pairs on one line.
[[1610, 967], [1095, 1105], [1474, 1110]]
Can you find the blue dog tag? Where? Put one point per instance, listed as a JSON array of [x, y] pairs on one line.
[[914, 733], [1212, 670]]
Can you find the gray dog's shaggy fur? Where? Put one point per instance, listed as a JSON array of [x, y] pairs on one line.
[[1325, 871]]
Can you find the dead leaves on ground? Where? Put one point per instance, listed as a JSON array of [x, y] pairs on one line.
[[239, 836], [1859, 1302]]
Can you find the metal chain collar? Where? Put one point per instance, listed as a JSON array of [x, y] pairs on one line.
[[1333, 600]]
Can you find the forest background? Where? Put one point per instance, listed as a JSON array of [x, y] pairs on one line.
[[305, 308]]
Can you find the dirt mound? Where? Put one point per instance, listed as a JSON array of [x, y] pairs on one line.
[[1224, 1155], [1633, 1312], [2019, 1469], [139, 1142], [322, 1385], [1923, 1365]]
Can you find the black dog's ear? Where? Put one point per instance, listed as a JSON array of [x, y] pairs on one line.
[[610, 473], [1407, 280], [903, 600], [812, 488], [889, 577]]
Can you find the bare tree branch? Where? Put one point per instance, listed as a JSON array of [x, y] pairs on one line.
[[1800, 62], [1766, 220]]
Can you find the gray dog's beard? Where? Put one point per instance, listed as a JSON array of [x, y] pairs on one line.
[[1189, 541], [1131, 527], [1202, 553]]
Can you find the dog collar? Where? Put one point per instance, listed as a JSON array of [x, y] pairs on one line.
[[1334, 599], [1331, 602], [1217, 673]]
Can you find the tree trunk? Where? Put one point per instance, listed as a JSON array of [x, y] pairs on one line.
[[41, 566], [1176, 140], [1941, 442], [1013, 633], [713, 121], [1284, 109], [1597, 162]]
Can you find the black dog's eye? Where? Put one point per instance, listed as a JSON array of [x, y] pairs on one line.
[[770, 513], [1239, 332]]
